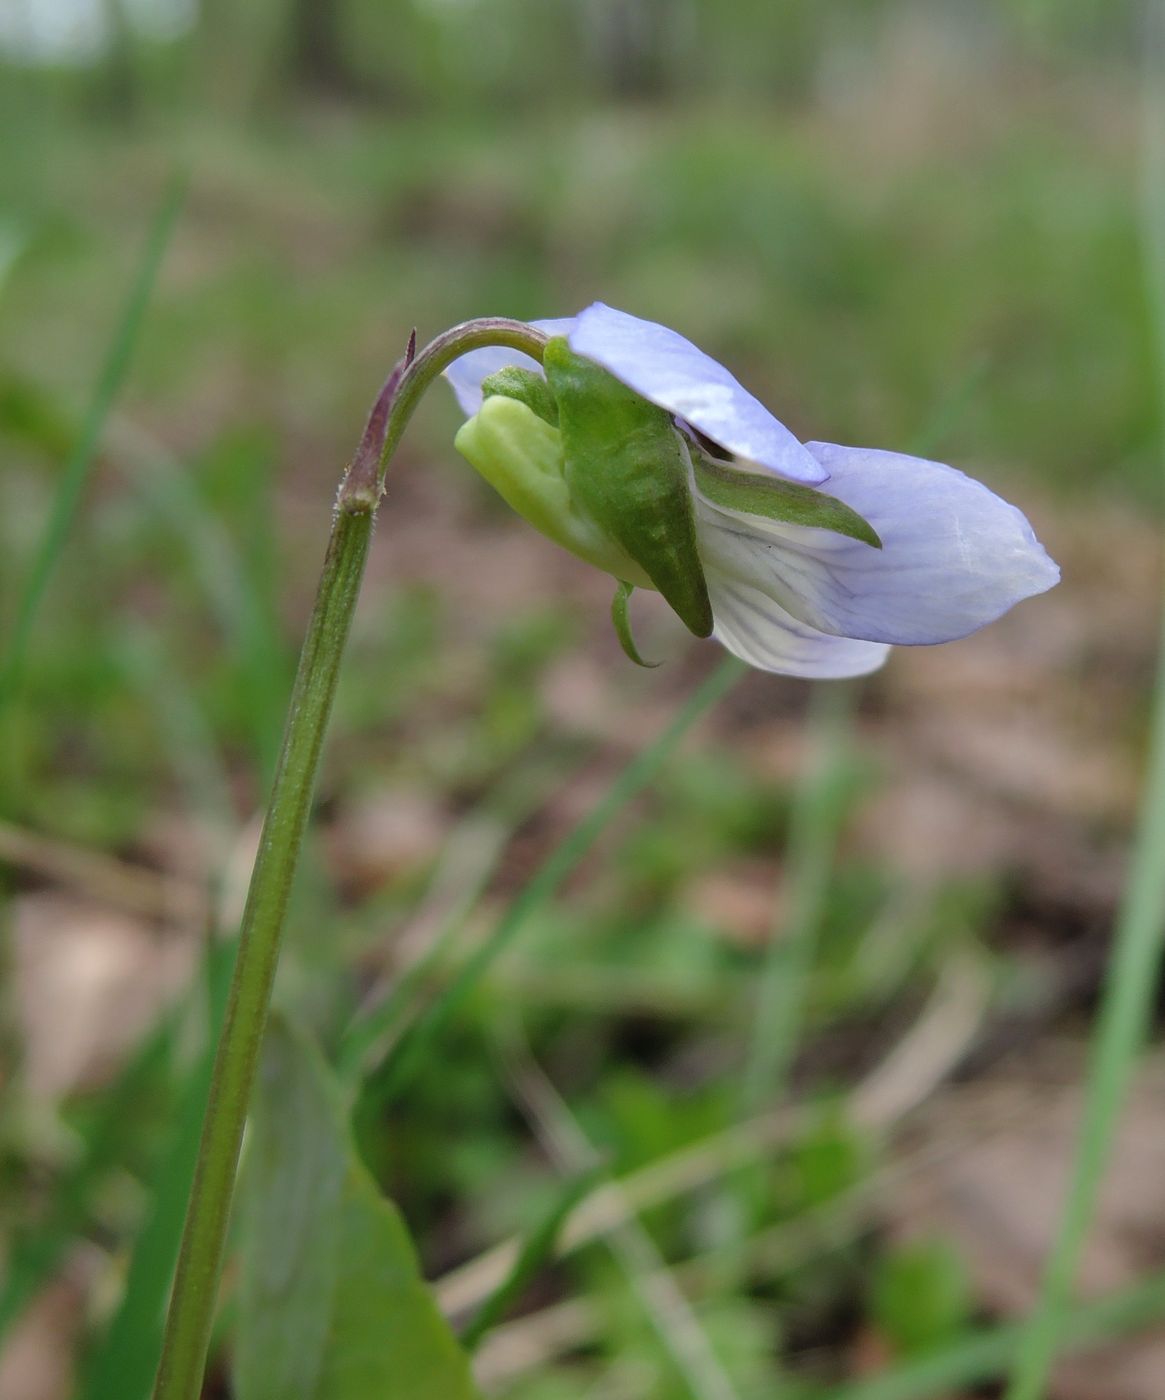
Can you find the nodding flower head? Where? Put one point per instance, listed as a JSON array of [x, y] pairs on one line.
[[642, 455]]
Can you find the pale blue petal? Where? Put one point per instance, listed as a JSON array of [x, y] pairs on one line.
[[465, 375], [954, 557], [670, 371], [762, 633]]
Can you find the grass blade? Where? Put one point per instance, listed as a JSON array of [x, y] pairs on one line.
[[109, 383], [411, 1050], [984, 1355], [537, 1249], [471, 856], [784, 976], [665, 1306], [229, 582], [35, 1257], [1136, 957], [124, 1363]]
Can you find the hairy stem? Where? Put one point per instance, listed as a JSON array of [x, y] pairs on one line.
[[192, 1302]]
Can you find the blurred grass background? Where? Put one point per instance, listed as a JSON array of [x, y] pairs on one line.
[[902, 224]]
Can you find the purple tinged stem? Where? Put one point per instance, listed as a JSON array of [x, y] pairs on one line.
[[194, 1294], [361, 476], [363, 485]]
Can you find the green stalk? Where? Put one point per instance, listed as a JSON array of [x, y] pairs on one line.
[[200, 1259], [783, 984], [1136, 958], [192, 1302], [76, 472]]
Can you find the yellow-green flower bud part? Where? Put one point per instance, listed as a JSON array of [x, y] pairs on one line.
[[520, 455], [527, 387]]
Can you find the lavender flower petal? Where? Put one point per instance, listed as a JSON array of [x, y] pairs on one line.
[[955, 556], [662, 366]]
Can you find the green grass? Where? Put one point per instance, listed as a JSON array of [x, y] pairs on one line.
[[72, 482], [1135, 961], [862, 238]]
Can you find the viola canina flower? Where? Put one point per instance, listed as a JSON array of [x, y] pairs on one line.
[[636, 451]]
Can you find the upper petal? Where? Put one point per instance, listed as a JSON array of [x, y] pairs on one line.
[[670, 371], [955, 556], [465, 375], [762, 633]]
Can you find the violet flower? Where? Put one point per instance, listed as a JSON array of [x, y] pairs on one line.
[[898, 551]]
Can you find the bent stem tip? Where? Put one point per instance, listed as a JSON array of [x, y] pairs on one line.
[[194, 1295]]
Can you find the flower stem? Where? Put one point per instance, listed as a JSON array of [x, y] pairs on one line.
[[200, 1260], [192, 1302], [408, 382]]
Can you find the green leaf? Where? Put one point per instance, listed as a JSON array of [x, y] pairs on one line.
[[621, 617], [922, 1295], [332, 1304], [749, 492], [535, 1252], [627, 469], [529, 388]]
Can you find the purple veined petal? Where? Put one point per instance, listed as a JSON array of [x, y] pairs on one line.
[[670, 371], [955, 556], [759, 631], [465, 375]]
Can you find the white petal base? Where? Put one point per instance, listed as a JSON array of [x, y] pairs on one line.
[[753, 627]]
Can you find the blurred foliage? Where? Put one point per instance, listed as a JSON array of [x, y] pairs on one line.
[[331, 1304], [872, 210], [921, 1295]]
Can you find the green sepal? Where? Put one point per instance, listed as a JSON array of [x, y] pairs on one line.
[[774, 498], [621, 617], [627, 469], [529, 388]]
